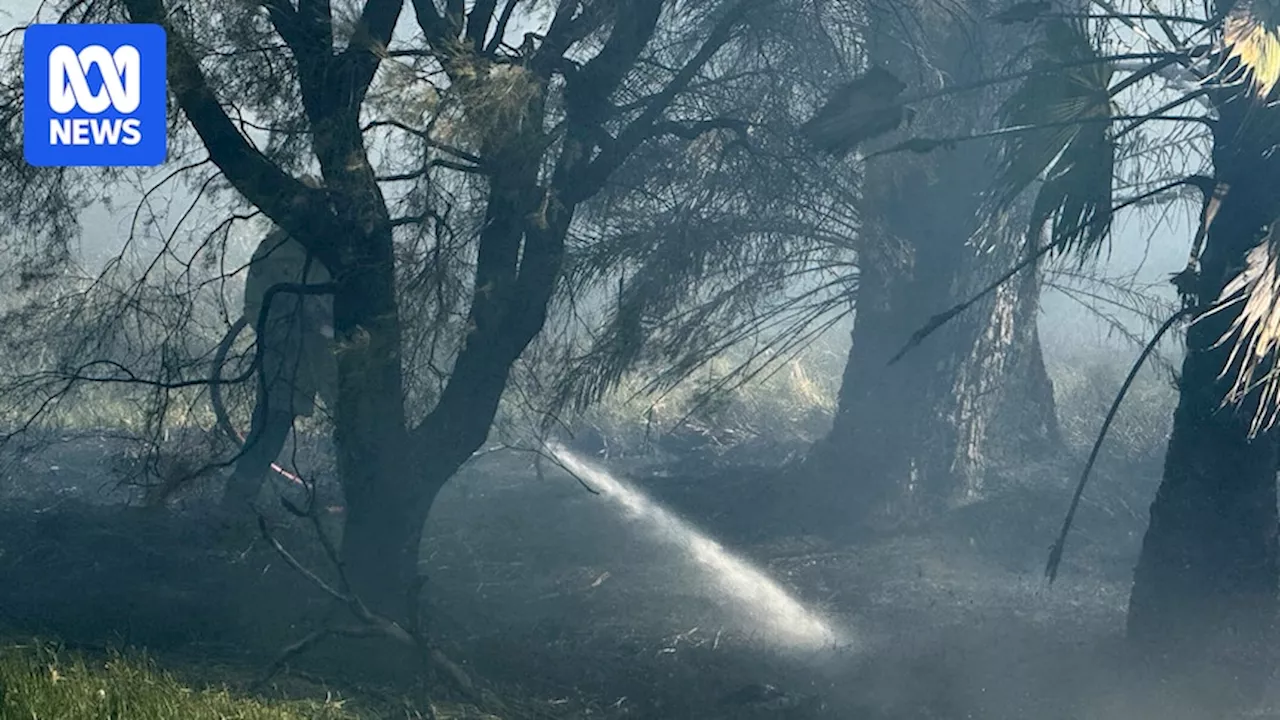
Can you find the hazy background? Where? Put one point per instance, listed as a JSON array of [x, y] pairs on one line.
[[1147, 245]]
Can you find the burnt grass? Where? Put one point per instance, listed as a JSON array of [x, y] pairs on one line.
[[564, 607]]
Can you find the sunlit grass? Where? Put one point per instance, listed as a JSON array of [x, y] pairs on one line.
[[39, 683], [793, 401]]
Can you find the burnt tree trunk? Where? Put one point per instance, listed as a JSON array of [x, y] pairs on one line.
[[915, 436], [528, 210], [1204, 591]]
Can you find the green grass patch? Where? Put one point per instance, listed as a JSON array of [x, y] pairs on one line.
[[40, 682]]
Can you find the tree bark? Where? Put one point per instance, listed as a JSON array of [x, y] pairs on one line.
[[378, 479], [915, 436], [1205, 585]]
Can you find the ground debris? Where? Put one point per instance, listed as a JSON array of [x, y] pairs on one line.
[[460, 711]]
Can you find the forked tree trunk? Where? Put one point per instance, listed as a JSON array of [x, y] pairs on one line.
[[915, 436], [392, 475], [1204, 592]]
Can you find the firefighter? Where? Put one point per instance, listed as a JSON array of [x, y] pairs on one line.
[[298, 364]]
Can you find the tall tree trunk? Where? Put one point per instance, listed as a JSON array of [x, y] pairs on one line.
[[1205, 586], [911, 437]]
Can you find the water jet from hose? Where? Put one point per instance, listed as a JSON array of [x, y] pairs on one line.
[[766, 604]]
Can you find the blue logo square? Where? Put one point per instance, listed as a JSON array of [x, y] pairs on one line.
[[94, 95]]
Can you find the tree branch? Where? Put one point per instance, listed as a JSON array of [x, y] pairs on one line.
[[301, 211], [285, 20], [371, 624], [587, 93], [359, 62], [694, 130], [308, 32], [501, 30], [567, 28], [442, 40], [416, 219], [455, 15], [478, 22], [612, 154], [426, 169], [425, 136]]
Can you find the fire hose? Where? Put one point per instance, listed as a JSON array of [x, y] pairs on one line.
[[215, 395]]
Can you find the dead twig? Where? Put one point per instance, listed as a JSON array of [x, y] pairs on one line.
[[371, 624], [543, 452], [540, 454], [308, 641]]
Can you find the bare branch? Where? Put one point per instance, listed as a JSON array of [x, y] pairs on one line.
[[501, 29], [298, 209], [637, 131]]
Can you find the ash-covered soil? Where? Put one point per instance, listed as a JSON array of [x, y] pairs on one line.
[[544, 589]]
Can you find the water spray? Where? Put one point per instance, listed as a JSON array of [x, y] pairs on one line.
[[780, 617]]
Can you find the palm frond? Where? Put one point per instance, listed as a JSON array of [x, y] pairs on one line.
[[1254, 334], [1251, 45], [862, 109], [1067, 98]]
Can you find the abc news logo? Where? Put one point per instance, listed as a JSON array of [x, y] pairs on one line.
[[69, 89], [94, 95]]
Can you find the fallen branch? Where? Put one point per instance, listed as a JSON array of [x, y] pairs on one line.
[[371, 624], [1059, 545]]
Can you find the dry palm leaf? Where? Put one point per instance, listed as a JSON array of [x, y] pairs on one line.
[[862, 109], [1067, 104], [1251, 45], [1254, 335]]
